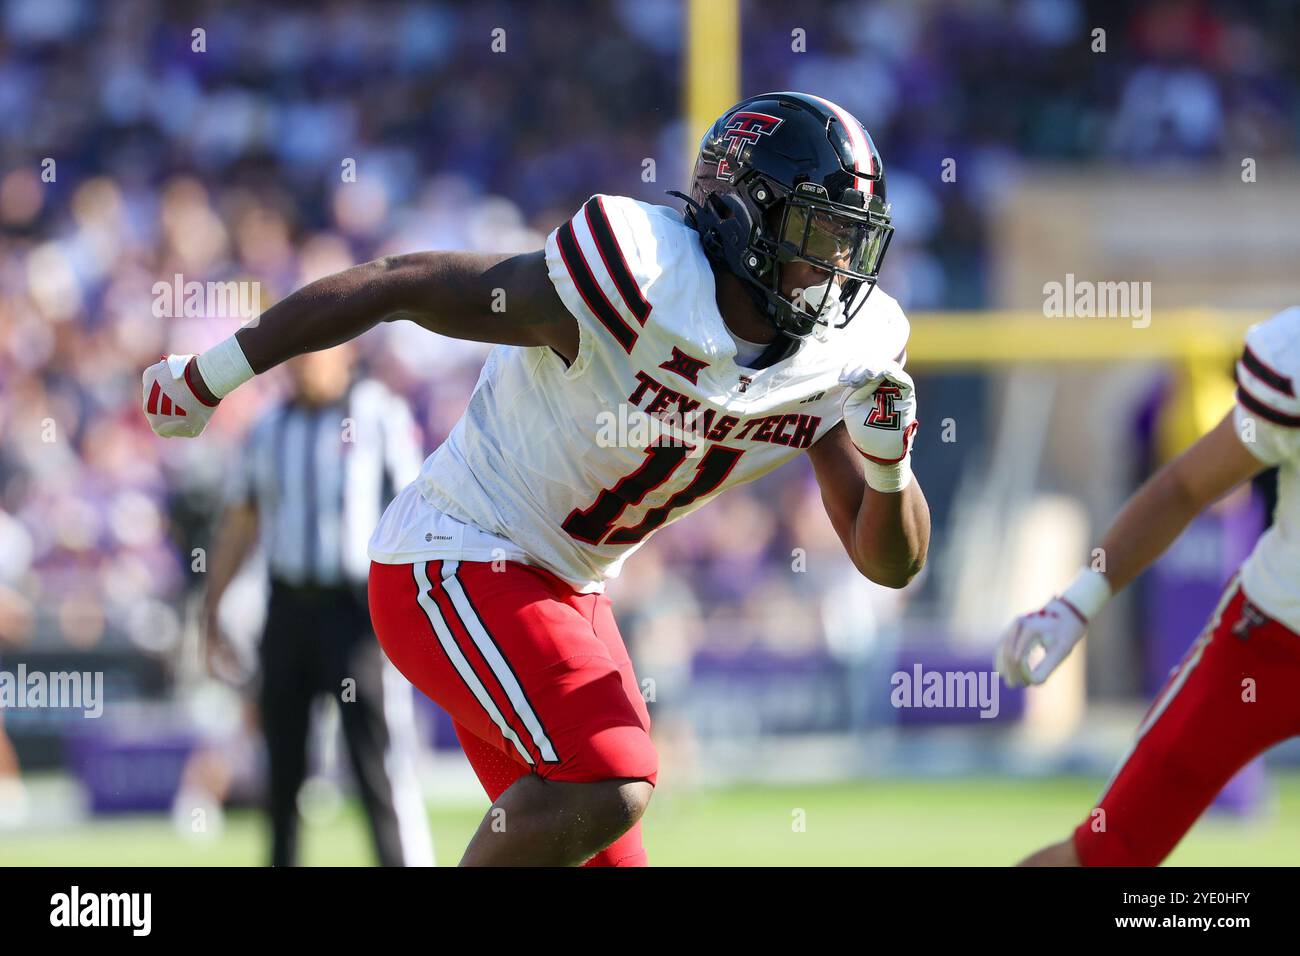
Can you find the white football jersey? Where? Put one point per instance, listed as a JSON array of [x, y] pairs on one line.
[[575, 466], [1268, 420]]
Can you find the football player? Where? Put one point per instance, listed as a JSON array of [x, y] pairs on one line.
[[1234, 694], [747, 330]]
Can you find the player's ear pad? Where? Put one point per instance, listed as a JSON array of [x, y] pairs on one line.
[[730, 231]]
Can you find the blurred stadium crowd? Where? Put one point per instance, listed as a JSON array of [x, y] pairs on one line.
[[227, 165]]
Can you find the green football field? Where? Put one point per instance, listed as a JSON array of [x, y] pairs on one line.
[[874, 823]]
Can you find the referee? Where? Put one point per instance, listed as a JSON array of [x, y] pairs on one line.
[[315, 474]]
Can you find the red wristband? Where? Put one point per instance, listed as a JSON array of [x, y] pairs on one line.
[[189, 366]]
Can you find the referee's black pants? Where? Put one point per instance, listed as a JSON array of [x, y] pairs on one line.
[[316, 639]]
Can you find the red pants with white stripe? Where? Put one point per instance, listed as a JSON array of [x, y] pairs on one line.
[[1233, 696], [534, 674]]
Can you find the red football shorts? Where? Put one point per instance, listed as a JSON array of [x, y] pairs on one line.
[[1231, 698], [534, 674]]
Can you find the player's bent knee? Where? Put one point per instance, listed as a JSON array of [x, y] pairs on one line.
[[614, 806], [634, 798]]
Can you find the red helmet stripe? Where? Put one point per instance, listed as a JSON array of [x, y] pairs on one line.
[[858, 140]]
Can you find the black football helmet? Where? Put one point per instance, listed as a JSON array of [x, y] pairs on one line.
[[786, 177]]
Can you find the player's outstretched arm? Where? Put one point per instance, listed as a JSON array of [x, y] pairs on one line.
[[1145, 527], [482, 297], [1159, 510]]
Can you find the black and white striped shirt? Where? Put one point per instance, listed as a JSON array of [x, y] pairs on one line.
[[320, 477]]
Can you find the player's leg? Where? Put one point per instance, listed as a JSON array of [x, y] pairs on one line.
[[539, 822], [628, 849], [617, 801], [1229, 700], [530, 810], [514, 658]]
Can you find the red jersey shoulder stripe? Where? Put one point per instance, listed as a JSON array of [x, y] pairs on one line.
[[1267, 374], [611, 254], [1264, 410], [585, 282]]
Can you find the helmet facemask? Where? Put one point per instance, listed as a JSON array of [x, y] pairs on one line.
[[845, 245]]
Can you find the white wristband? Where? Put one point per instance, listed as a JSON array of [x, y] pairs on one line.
[[1087, 593], [224, 367], [889, 479]]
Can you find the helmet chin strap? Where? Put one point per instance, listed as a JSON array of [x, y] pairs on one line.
[[778, 350], [785, 345]]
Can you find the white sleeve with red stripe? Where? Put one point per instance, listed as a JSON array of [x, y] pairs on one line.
[[1268, 389], [603, 262]]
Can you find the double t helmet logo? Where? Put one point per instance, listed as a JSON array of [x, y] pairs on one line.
[[744, 127]]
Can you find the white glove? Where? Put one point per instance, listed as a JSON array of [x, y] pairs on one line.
[[170, 403], [1056, 628], [880, 414]]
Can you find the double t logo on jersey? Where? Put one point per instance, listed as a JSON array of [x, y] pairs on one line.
[[745, 127]]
